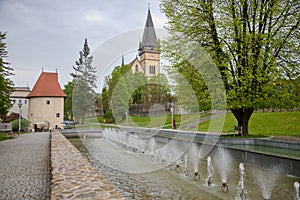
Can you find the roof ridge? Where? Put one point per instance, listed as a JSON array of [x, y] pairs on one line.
[[47, 85]]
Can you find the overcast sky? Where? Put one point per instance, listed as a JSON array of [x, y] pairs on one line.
[[50, 33]]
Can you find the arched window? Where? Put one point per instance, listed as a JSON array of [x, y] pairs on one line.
[[136, 68]]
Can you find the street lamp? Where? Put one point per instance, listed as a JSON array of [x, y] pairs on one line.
[[173, 118], [20, 114]]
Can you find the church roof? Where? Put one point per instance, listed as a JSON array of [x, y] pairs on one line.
[[149, 36], [134, 60], [47, 85]]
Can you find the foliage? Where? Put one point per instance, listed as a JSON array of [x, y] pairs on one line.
[[24, 124], [123, 88], [84, 79], [104, 99], [3, 136], [6, 85], [254, 44], [108, 117], [68, 90]]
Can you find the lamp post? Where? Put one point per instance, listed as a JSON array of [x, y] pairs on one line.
[[173, 118], [20, 115]]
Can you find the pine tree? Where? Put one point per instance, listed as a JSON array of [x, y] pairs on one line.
[[85, 80], [6, 85]]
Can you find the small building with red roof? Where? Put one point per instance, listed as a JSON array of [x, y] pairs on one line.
[[46, 102]]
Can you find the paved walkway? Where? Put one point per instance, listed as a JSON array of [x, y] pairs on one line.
[[25, 167]]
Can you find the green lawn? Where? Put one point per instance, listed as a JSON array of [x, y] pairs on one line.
[[3, 136], [267, 123], [164, 121], [261, 124]]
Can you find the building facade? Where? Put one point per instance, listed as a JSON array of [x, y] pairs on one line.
[[46, 102], [20, 101]]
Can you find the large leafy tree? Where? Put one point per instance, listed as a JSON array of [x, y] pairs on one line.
[[253, 43], [110, 85], [85, 80], [6, 84]]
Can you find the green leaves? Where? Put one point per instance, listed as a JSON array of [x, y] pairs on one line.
[[84, 84], [253, 43], [6, 84]]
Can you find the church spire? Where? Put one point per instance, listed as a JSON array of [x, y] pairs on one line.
[[149, 36], [122, 62]]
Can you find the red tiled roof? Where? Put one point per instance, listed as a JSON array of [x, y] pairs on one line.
[[47, 86]]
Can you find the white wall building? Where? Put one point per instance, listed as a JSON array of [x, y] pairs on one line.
[[19, 98], [46, 102]]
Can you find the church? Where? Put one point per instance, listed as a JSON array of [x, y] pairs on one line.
[[148, 59]]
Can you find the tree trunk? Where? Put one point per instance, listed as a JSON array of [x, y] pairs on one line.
[[243, 115]]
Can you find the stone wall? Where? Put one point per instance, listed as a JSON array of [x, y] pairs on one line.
[[73, 177]]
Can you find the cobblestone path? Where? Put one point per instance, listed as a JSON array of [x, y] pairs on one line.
[[25, 167]]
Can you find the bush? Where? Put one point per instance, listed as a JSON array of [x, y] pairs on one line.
[[24, 125], [108, 117]]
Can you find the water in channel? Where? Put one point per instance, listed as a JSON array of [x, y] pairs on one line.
[[139, 175]]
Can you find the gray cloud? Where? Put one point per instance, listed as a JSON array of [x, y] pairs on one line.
[[50, 33]]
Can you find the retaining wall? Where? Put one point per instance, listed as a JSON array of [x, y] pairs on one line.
[[73, 177]]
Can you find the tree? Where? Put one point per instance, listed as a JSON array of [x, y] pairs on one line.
[[105, 100], [112, 80], [253, 43], [68, 90], [6, 85], [85, 79]]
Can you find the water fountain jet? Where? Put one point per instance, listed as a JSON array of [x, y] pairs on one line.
[[297, 186], [241, 185], [223, 162], [194, 157], [210, 172], [224, 187], [185, 166], [266, 180]]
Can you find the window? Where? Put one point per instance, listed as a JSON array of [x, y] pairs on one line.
[[136, 68], [13, 101], [57, 114], [20, 100], [25, 101], [48, 102], [152, 69]]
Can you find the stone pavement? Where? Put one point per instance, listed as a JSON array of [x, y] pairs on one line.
[[25, 167], [73, 176]]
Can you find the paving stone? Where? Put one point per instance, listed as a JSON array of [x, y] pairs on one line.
[[25, 167], [73, 176]]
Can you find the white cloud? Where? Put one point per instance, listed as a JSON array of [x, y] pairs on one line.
[[93, 16]]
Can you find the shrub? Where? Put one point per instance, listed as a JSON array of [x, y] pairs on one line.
[[24, 125]]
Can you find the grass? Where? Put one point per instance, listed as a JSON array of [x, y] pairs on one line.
[[3, 136], [261, 124], [264, 124], [164, 121]]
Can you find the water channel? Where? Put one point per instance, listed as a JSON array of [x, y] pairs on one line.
[[139, 171]]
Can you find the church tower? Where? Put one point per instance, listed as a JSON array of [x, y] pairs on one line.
[[149, 52]]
